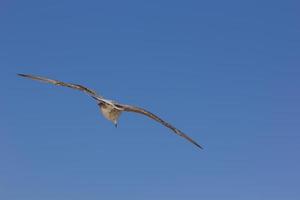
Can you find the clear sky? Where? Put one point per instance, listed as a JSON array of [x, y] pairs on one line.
[[224, 72]]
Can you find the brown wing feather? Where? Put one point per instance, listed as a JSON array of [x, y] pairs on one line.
[[70, 85], [156, 118]]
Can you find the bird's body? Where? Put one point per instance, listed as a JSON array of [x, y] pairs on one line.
[[111, 110]]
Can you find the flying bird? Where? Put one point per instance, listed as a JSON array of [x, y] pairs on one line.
[[110, 109]]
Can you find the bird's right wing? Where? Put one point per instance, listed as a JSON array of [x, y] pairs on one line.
[[60, 83], [130, 108]]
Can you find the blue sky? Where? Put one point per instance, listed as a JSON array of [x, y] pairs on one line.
[[224, 72]]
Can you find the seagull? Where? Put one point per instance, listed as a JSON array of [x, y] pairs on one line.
[[110, 109]]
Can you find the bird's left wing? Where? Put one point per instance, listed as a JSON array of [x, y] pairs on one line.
[[60, 83], [130, 108]]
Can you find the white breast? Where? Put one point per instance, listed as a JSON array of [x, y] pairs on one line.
[[110, 112]]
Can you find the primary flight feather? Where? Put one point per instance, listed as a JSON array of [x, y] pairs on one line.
[[111, 109]]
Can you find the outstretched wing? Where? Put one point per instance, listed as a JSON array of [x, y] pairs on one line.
[[70, 85], [156, 118]]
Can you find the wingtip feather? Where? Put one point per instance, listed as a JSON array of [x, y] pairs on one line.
[[199, 146]]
